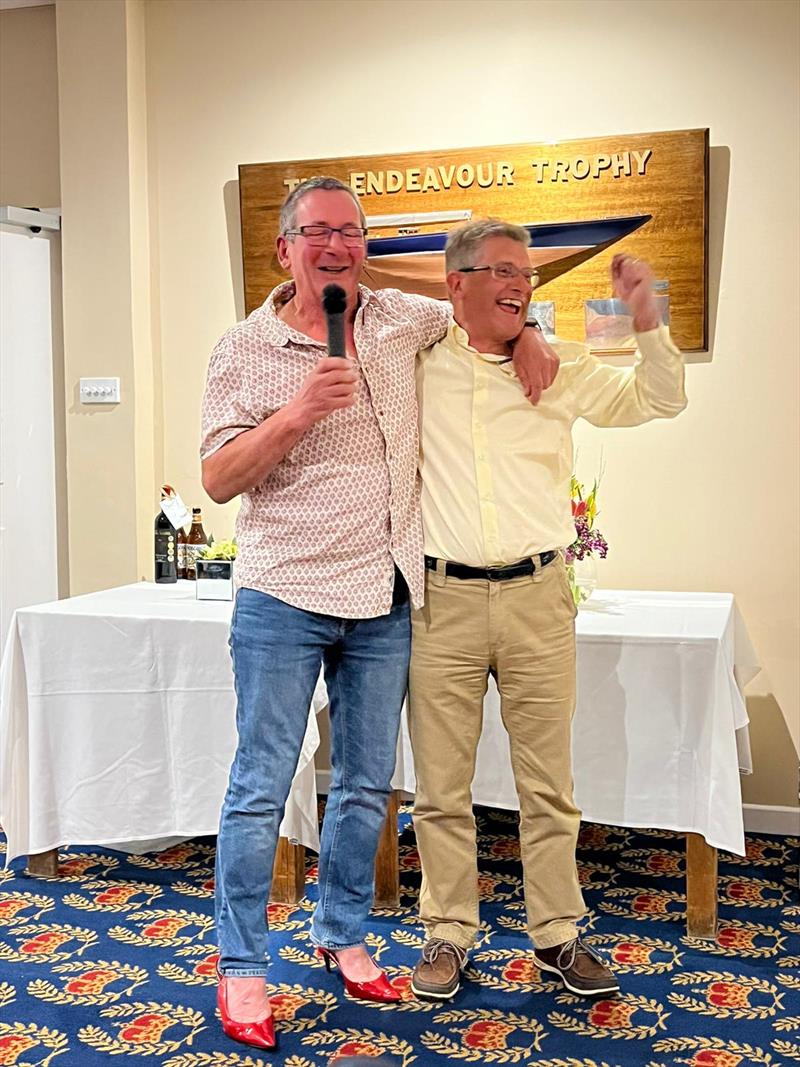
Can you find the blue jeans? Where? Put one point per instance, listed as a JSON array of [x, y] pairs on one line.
[[277, 651]]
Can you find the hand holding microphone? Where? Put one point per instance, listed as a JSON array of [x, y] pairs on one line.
[[332, 383]]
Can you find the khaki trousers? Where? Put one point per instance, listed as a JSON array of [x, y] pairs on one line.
[[523, 633]]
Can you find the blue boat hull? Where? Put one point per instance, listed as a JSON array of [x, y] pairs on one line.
[[543, 235]]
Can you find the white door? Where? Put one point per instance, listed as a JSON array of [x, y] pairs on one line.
[[28, 559]]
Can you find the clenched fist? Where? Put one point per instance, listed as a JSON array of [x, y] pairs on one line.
[[633, 282]]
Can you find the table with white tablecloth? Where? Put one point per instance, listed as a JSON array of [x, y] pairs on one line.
[[660, 731], [118, 725]]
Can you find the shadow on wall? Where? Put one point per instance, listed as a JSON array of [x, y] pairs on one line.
[[719, 172], [774, 756], [233, 221]]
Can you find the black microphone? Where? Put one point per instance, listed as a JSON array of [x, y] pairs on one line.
[[334, 304]]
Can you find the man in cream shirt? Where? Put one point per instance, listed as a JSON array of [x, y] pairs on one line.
[[496, 516]]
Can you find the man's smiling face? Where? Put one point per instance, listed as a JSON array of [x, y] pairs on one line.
[[492, 310], [315, 266]]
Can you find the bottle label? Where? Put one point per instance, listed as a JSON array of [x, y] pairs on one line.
[[165, 548], [192, 552]]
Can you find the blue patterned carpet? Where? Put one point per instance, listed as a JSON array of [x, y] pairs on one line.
[[116, 958]]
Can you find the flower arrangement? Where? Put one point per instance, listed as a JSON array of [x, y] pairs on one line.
[[219, 550], [588, 543]]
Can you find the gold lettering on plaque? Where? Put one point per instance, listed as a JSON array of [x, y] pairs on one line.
[[505, 174], [375, 181], [581, 168], [465, 175], [431, 181]]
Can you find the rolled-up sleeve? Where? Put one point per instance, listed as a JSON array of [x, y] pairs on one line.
[[227, 404]]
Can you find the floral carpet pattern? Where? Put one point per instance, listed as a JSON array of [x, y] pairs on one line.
[[117, 958]]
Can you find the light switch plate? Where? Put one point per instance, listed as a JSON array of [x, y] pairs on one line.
[[99, 390]]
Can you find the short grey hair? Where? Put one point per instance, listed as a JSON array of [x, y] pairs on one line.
[[464, 242], [288, 219]]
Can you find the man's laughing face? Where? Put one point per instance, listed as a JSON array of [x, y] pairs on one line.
[[492, 310], [313, 266]]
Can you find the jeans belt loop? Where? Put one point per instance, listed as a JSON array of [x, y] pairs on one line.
[[538, 569]]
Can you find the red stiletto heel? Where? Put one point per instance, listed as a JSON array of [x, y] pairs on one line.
[[260, 1035], [378, 988]]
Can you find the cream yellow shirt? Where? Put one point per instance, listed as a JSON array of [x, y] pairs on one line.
[[495, 469]]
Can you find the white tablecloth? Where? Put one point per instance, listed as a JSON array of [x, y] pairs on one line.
[[117, 722], [660, 731]]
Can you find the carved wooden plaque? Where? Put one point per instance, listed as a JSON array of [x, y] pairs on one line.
[[583, 201]]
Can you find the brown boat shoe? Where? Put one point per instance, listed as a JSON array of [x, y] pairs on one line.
[[438, 971], [579, 967]]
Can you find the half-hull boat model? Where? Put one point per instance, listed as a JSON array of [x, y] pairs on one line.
[[414, 261]]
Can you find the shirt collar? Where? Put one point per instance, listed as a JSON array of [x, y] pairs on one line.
[[459, 338], [281, 334]]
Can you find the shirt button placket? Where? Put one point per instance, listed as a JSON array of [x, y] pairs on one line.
[[483, 471]]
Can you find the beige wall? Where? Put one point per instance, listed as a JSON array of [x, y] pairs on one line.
[[108, 330], [696, 504], [29, 108]]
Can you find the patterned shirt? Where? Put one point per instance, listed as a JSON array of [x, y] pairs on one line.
[[326, 527]]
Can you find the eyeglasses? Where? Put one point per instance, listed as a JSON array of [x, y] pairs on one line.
[[505, 272], [320, 235]]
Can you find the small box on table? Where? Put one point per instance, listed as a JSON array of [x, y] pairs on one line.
[[214, 579]]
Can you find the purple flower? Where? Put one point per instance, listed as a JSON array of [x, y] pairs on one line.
[[588, 542]]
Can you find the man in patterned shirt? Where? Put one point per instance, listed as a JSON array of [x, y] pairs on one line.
[[324, 454], [496, 515]]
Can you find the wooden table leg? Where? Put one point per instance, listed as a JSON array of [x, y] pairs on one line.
[[43, 864], [387, 860], [288, 873], [701, 888]]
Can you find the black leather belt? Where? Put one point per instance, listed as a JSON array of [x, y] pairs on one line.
[[493, 574]]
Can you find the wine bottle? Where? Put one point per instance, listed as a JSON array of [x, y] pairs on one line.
[[166, 544]]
